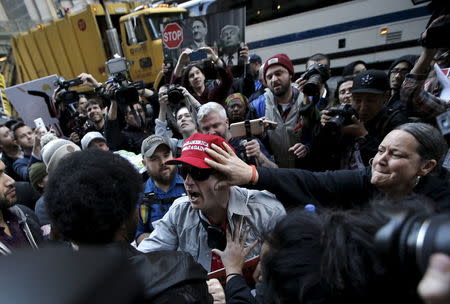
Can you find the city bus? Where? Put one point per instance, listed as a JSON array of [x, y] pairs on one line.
[[375, 31]]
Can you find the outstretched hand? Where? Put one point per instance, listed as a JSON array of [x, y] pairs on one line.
[[233, 256], [225, 161]]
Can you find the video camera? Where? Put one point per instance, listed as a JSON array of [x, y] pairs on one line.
[[66, 95], [125, 92], [316, 75], [342, 116], [408, 239], [436, 34]]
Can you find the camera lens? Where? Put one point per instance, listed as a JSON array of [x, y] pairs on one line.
[[407, 241], [313, 85], [433, 236], [174, 95]]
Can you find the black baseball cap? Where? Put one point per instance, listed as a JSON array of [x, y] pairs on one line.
[[370, 81]]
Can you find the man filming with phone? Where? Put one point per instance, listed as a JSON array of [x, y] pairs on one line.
[[212, 119], [284, 104]]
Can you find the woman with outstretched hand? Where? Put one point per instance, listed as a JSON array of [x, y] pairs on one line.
[[408, 161]]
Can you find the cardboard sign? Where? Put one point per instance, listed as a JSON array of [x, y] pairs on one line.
[[31, 107]]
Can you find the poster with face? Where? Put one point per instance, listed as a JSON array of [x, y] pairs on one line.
[[224, 32]]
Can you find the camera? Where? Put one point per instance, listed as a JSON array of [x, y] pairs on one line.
[[174, 94], [66, 95], [406, 242], [342, 116], [125, 92], [315, 76], [436, 34]]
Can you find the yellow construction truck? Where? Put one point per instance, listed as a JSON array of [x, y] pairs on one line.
[[84, 41]]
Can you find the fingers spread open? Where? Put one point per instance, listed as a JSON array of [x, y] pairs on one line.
[[250, 247], [229, 149]]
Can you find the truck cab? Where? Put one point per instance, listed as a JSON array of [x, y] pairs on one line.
[[141, 32]]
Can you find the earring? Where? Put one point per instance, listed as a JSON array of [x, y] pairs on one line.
[[417, 180], [371, 161]]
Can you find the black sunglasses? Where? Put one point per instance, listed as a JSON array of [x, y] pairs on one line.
[[195, 173]]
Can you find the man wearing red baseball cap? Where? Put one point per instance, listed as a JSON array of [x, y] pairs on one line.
[[197, 223], [285, 104]]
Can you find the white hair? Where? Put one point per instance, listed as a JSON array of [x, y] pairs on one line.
[[211, 107]]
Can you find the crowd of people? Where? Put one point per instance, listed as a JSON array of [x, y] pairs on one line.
[[213, 168]]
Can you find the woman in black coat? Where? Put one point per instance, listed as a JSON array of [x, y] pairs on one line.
[[408, 161]]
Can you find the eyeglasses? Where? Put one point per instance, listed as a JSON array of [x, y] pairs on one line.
[[195, 173]]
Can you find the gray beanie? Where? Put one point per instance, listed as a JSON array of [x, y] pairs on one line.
[[55, 150]]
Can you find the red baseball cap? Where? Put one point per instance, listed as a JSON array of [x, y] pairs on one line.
[[279, 59], [193, 152]]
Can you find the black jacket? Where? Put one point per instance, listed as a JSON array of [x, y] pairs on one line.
[[330, 150], [238, 292], [171, 276], [29, 224], [129, 139], [341, 188]]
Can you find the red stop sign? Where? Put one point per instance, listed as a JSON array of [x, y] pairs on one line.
[[172, 35]]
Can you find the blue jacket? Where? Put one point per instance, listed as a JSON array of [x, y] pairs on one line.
[[156, 203], [21, 166]]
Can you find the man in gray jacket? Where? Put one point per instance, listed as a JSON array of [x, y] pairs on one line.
[[295, 114], [197, 223]]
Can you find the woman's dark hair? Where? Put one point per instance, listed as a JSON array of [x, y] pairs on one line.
[[186, 83], [432, 144], [325, 257], [91, 194]]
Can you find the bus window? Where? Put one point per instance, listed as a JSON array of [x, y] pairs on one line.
[[156, 22], [135, 31], [263, 10]]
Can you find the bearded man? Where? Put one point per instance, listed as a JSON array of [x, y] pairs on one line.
[[163, 186], [19, 227]]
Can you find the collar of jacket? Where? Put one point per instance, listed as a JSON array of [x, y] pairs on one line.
[[238, 202]]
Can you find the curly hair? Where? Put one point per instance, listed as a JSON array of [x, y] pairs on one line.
[[326, 257], [90, 195]]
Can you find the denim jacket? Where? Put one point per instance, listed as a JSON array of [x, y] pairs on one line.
[[181, 229]]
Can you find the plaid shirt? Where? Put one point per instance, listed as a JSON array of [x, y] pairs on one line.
[[420, 101]]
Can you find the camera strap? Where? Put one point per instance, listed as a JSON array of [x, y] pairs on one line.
[[248, 129]]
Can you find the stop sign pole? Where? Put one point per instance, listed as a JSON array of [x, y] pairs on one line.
[[172, 35]]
